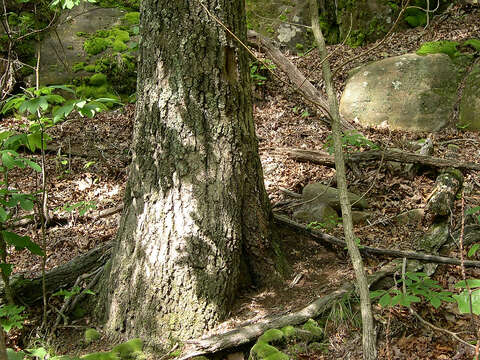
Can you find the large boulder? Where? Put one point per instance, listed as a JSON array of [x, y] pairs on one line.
[[410, 92], [62, 49], [469, 114]]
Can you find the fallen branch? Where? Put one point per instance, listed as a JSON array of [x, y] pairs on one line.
[[329, 239], [246, 334], [304, 86], [323, 158]]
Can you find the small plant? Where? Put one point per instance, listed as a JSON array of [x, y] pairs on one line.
[[418, 285], [74, 291], [329, 224], [257, 71], [82, 207], [351, 140]]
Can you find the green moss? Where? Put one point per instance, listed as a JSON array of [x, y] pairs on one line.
[[289, 331], [98, 79], [81, 34], [436, 47], [131, 349], [312, 326], [95, 46], [120, 35], [133, 18], [475, 43], [277, 356], [119, 46], [78, 66], [271, 335], [89, 68], [101, 356], [91, 335], [261, 350]]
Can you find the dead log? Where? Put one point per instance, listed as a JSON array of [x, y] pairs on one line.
[[440, 201], [249, 333], [29, 291], [332, 240], [323, 158], [304, 86]]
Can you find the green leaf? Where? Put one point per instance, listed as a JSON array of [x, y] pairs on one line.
[[463, 302], [63, 111], [38, 352], [33, 165], [436, 302], [26, 204], [3, 214], [385, 300], [7, 160], [473, 283], [473, 210], [376, 293], [15, 355], [473, 250], [21, 242], [6, 269]]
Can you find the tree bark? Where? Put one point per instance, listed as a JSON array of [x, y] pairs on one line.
[[369, 336], [196, 223]]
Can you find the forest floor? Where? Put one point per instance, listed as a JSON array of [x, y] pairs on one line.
[[91, 160]]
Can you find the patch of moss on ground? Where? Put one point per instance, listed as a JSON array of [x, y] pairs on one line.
[[98, 79], [439, 47]]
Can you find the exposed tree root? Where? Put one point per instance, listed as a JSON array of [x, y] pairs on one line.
[[332, 240], [249, 333]]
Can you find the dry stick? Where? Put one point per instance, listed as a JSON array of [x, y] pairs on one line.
[[422, 320], [323, 158], [369, 336], [322, 238], [380, 43]]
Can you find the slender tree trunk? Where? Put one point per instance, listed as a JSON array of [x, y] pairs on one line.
[[196, 223], [369, 337]]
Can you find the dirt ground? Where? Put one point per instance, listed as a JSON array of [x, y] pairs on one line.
[[90, 163]]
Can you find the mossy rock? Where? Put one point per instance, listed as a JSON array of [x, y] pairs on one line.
[[96, 45], [119, 46], [439, 47], [312, 326], [289, 331], [98, 79], [78, 66], [131, 349], [264, 351], [133, 18], [272, 336], [91, 335]]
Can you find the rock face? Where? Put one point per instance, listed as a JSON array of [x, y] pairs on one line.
[[58, 57], [277, 19], [408, 92], [469, 116]]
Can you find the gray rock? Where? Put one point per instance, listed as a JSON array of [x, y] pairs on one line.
[[58, 56], [413, 216], [317, 193], [321, 213], [410, 92]]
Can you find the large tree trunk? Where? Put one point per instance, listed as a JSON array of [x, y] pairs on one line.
[[197, 219]]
